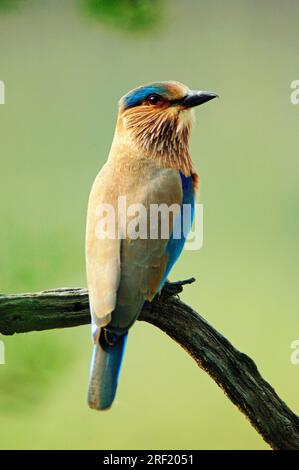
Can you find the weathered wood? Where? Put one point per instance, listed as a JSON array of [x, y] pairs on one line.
[[232, 370]]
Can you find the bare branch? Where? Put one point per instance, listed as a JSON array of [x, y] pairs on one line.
[[232, 370]]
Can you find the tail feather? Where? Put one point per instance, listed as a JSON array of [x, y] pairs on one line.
[[105, 368]]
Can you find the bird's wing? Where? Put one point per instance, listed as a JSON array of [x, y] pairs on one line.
[[144, 261], [123, 273], [102, 255]]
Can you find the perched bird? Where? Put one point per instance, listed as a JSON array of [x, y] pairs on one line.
[[149, 163]]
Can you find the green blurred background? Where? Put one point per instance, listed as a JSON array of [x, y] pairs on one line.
[[65, 65]]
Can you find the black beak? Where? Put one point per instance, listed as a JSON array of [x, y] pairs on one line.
[[195, 98]]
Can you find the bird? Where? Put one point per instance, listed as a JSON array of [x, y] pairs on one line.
[[149, 164]]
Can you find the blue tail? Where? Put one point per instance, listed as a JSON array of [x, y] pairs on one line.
[[105, 367]]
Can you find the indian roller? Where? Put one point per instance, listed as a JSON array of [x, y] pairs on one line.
[[149, 163]]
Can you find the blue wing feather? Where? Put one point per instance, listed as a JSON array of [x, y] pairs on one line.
[[176, 243]]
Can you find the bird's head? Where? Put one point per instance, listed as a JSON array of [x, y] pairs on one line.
[[158, 117]]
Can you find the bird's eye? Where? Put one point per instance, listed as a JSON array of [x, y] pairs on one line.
[[154, 99]]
